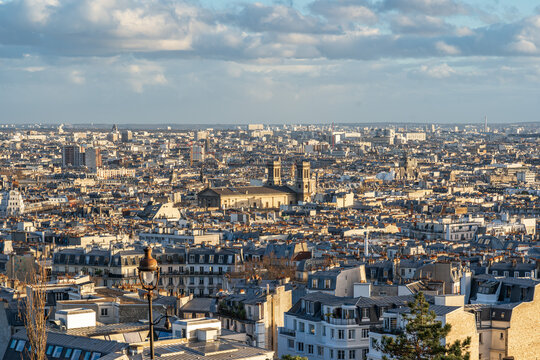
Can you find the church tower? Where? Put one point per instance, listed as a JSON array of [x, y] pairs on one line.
[[274, 173], [304, 185]]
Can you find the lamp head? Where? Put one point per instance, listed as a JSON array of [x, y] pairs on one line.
[[148, 267]]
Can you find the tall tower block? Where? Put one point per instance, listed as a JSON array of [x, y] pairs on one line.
[[274, 173]]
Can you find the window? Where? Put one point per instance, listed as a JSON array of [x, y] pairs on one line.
[[352, 334], [516, 274], [76, 354], [341, 354], [95, 356], [324, 331], [365, 333], [20, 345], [57, 351], [480, 338], [50, 349], [506, 274], [327, 284], [502, 336], [331, 353], [494, 272], [341, 334], [365, 313], [191, 259], [332, 333], [13, 343], [295, 325], [300, 346], [312, 329], [87, 355], [290, 343], [104, 312], [352, 354], [68, 353], [314, 283], [364, 353], [301, 327], [320, 351], [310, 349]]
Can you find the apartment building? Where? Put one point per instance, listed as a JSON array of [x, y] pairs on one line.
[[257, 312], [449, 309], [324, 326]]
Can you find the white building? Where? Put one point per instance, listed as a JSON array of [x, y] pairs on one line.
[[323, 326], [11, 203]]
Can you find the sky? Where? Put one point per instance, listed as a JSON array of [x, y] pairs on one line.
[[282, 61]]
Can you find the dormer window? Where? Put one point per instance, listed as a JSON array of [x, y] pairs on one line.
[[314, 283], [327, 284]]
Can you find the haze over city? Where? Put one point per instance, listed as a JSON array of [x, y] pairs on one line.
[[126, 61]]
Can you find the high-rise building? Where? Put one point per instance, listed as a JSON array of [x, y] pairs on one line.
[[72, 156], [93, 158], [197, 153], [127, 136]]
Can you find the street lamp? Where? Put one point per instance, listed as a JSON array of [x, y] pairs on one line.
[[149, 277]]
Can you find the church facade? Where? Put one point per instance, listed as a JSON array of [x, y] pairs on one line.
[[271, 196]]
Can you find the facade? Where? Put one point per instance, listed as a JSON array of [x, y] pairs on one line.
[[72, 156], [11, 203], [271, 196], [257, 312], [197, 271], [323, 326], [448, 310], [93, 159], [338, 282]]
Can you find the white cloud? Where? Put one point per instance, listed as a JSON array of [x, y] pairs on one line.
[[447, 49], [438, 71], [143, 74], [77, 77]]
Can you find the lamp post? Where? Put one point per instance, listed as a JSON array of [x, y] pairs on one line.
[[149, 277]]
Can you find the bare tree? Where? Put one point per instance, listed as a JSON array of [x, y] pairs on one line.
[[34, 315]]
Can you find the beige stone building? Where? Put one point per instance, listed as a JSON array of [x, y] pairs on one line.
[[270, 196], [509, 330], [259, 314]]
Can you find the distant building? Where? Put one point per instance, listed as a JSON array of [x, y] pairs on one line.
[[72, 156], [127, 136], [11, 203], [264, 197], [93, 159]]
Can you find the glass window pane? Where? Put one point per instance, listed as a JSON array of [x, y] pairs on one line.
[[57, 351], [76, 354], [20, 345]]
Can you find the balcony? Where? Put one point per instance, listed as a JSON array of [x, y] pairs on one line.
[[385, 331], [287, 332], [338, 321]]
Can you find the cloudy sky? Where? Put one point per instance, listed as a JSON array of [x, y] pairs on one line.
[[283, 61]]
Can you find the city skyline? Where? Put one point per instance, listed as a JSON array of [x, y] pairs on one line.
[[320, 61]]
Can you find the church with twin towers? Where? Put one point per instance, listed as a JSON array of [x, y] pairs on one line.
[[269, 196]]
